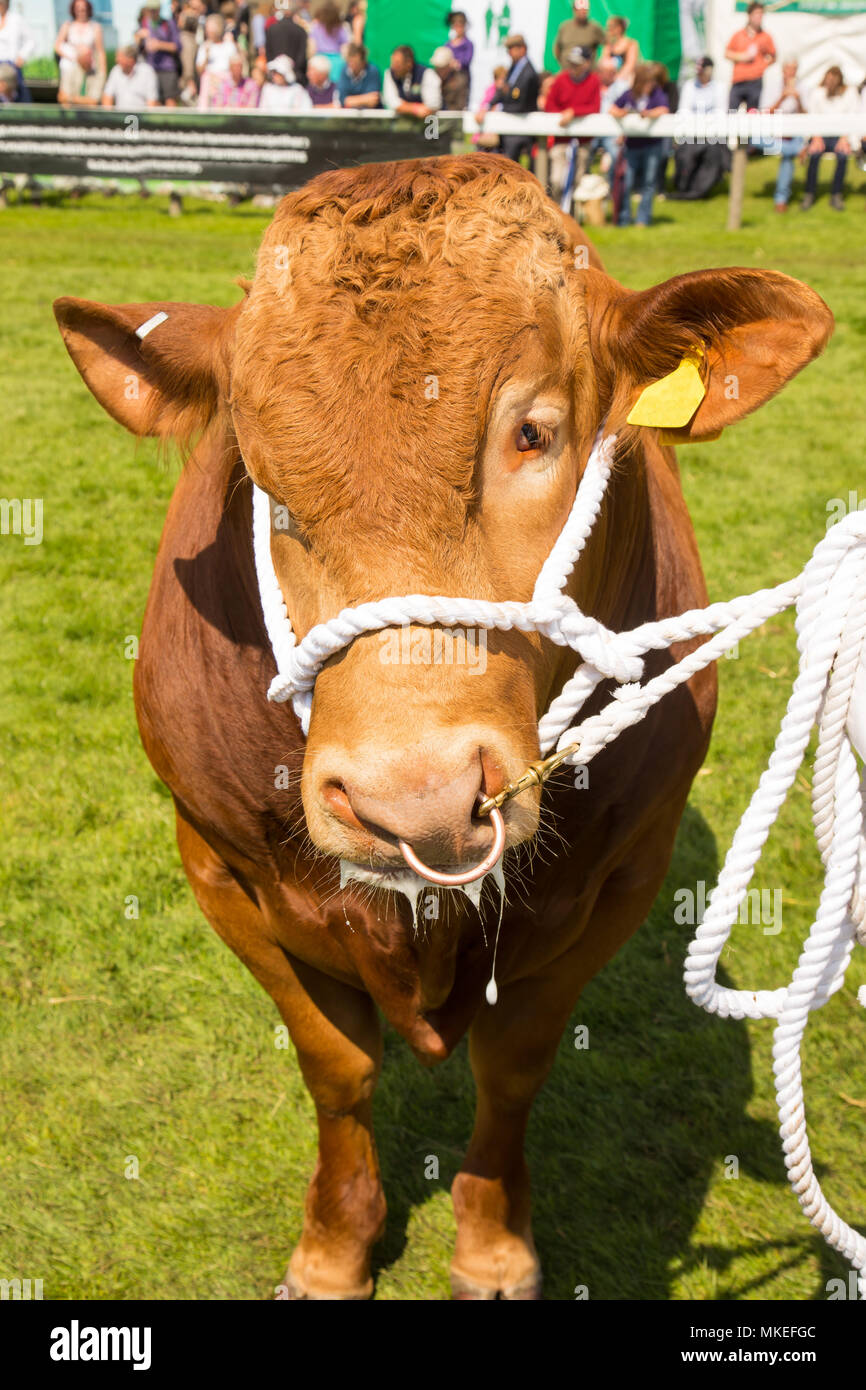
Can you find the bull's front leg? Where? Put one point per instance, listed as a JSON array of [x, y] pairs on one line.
[[344, 1213], [511, 1049], [336, 1032]]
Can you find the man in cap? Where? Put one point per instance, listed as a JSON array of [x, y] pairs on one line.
[[520, 95], [453, 79], [575, 92], [578, 32]]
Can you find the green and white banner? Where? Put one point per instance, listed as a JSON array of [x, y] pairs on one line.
[[828, 7]]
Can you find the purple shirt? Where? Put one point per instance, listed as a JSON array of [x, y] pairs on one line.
[[462, 50], [328, 43], [167, 32], [629, 102], [323, 96]]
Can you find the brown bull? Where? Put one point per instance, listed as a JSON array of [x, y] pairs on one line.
[[416, 374]]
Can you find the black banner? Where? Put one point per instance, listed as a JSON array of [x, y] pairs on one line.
[[228, 1342], [238, 147]]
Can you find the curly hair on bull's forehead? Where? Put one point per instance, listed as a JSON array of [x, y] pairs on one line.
[[369, 286], [375, 233]]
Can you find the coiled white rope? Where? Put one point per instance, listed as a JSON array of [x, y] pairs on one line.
[[830, 690]]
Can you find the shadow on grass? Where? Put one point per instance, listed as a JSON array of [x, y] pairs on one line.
[[625, 1135]]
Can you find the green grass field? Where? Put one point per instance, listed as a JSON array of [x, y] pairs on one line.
[[143, 1041]]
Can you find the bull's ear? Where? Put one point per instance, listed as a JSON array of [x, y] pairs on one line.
[[157, 368], [700, 351]]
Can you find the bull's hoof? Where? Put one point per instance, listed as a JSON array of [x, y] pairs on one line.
[[293, 1289], [528, 1289]]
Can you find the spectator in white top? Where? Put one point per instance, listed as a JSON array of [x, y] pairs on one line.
[[699, 163], [832, 98], [132, 83], [409, 88], [281, 94], [17, 46], [81, 55], [789, 98], [214, 58], [703, 93]]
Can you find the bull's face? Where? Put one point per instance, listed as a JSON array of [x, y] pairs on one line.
[[415, 378]]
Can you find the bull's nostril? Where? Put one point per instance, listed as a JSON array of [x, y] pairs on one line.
[[336, 798], [493, 777]]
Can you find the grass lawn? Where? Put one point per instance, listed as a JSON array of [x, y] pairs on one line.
[[140, 1043]]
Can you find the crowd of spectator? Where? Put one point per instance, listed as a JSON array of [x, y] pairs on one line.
[[276, 55], [284, 56], [601, 70]]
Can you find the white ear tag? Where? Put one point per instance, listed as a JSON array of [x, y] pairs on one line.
[[150, 324]]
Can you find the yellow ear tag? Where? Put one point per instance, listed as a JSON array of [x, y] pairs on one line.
[[672, 401]]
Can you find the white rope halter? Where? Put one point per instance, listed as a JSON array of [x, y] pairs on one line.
[[830, 690]]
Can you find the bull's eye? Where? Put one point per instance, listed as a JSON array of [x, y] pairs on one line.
[[533, 437]]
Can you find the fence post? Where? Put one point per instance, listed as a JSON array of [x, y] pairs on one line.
[[738, 187]]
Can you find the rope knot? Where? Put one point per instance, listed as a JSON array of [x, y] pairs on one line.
[[632, 693]]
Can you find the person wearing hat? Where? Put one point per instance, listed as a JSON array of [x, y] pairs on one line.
[[578, 32], [699, 164], [519, 95], [282, 94], [159, 44], [453, 79], [576, 91]]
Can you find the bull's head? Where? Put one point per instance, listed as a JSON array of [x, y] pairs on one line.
[[416, 376]]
